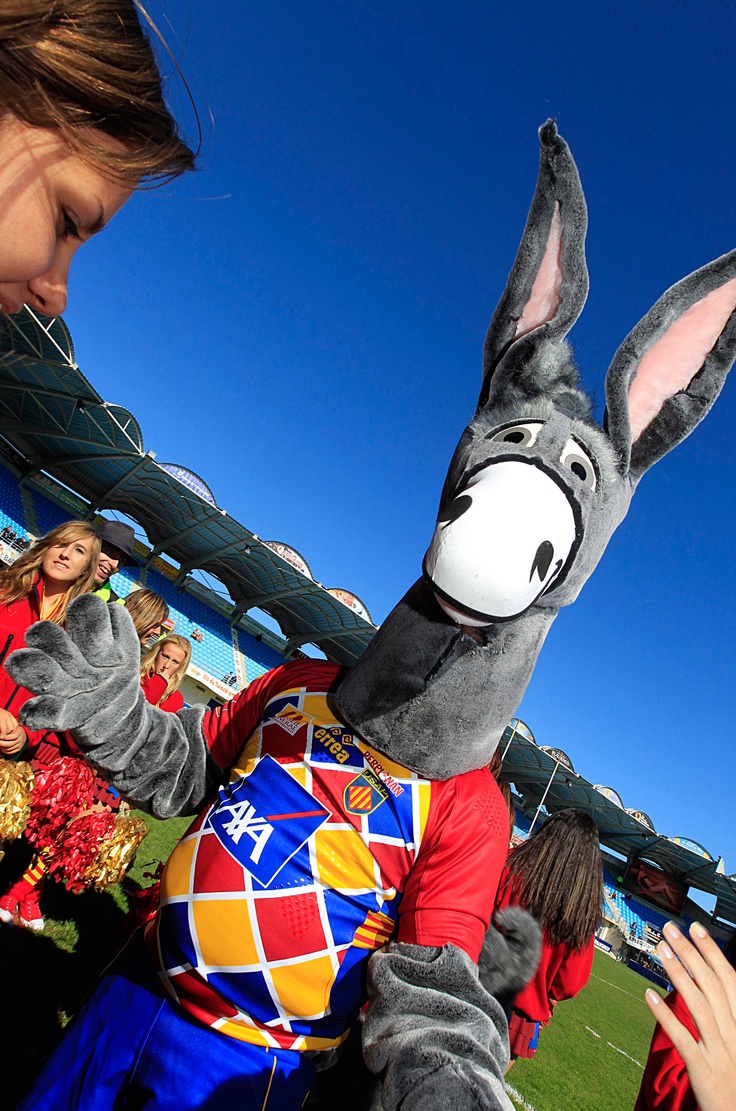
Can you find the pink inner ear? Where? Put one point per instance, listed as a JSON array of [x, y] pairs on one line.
[[673, 361], [544, 300]]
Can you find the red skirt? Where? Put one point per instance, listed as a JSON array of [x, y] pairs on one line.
[[523, 1035]]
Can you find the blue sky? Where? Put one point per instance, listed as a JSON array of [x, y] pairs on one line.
[[301, 322]]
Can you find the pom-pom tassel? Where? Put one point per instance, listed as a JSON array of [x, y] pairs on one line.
[[16, 785]]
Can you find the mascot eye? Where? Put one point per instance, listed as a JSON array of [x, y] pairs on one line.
[[523, 434], [575, 459]]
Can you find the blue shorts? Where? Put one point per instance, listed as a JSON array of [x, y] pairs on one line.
[[130, 1048]]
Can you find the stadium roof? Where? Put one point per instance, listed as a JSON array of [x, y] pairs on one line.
[[52, 415], [541, 776]]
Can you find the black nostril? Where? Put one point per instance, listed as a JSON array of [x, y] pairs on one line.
[[455, 509], [542, 560]]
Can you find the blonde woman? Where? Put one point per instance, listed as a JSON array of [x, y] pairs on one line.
[[39, 585], [149, 611], [162, 671], [82, 122]]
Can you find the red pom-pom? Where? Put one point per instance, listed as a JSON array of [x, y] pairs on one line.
[[61, 790], [77, 848]]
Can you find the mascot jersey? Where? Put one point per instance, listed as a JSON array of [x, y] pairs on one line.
[[306, 861]]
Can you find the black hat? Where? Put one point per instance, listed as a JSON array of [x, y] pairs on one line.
[[119, 534]]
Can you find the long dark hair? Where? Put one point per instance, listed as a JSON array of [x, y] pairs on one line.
[[557, 875]]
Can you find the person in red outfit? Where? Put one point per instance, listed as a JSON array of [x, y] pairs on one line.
[[557, 876], [665, 1085], [39, 586], [162, 672]]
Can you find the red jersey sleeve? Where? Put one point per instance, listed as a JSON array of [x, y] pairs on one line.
[[228, 727], [451, 889], [573, 973], [665, 1085], [153, 688]]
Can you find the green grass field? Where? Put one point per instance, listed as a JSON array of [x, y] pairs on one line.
[[590, 1058]]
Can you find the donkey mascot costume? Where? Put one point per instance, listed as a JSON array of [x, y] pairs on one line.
[[347, 821]]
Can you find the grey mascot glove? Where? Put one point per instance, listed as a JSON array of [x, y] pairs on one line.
[[87, 680], [434, 1031]]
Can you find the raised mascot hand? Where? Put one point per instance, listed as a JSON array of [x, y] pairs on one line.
[[87, 680], [84, 677]]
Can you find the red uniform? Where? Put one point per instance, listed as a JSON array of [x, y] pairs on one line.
[[562, 972], [665, 1085], [15, 619], [154, 686]]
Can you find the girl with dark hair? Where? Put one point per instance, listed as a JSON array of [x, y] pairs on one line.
[[82, 122], [557, 875]]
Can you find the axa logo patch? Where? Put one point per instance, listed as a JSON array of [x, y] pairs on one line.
[[291, 718], [364, 794], [264, 818]]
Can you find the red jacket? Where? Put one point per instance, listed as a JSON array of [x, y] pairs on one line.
[[665, 1085], [15, 619], [562, 972], [154, 686]]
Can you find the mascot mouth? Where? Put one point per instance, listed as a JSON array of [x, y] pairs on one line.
[[501, 543]]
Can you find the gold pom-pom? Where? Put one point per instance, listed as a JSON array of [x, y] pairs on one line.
[[16, 785], [116, 853]]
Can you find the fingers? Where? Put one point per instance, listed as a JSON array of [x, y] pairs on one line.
[[89, 625], [699, 971], [123, 631], [33, 669], [47, 641], [681, 1038]]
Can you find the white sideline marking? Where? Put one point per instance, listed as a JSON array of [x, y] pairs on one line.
[[517, 1097], [629, 993], [621, 1051], [626, 1055]]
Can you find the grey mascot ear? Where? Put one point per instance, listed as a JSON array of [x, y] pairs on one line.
[[670, 369], [548, 283]]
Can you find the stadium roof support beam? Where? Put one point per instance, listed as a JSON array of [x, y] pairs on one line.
[[544, 796], [192, 564], [48, 391], [42, 462], [160, 547], [109, 494], [276, 596], [11, 424]]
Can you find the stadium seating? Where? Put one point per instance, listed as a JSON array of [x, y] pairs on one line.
[[12, 514], [48, 513]]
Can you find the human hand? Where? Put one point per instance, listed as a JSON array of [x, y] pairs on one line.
[[707, 984], [12, 734]]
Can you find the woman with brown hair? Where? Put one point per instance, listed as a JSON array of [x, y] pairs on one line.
[[39, 586], [82, 122], [149, 611], [557, 875], [162, 672]]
